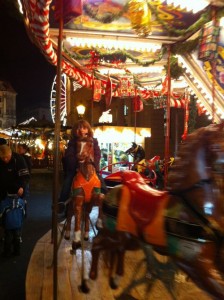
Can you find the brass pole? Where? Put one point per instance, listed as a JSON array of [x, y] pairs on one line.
[[167, 132], [57, 130]]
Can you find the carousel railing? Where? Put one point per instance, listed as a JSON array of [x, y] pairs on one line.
[[117, 167]]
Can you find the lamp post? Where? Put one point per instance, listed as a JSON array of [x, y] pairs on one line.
[[81, 110]]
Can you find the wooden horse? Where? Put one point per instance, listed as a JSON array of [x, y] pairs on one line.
[[137, 152], [185, 222], [85, 192]]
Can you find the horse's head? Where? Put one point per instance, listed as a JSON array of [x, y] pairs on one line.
[[199, 158], [85, 152], [197, 174], [132, 149], [85, 157]]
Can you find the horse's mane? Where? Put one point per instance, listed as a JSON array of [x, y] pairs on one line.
[[183, 173]]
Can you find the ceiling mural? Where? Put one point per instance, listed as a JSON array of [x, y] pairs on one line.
[[116, 16]]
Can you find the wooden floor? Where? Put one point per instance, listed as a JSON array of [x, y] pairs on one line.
[[39, 279]]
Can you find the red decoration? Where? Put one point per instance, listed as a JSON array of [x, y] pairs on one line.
[[71, 9], [186, 118], [126, 86], [108, 92], [97, 90], [165, 86], [94, 60], [201, 110], [137, 104]]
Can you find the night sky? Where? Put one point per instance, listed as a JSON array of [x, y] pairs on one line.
[[22, 64]]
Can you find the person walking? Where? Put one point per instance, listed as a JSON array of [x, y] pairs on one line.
[[14, 176], [24, 150]]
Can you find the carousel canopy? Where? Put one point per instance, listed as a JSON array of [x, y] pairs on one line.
[[132, 41]]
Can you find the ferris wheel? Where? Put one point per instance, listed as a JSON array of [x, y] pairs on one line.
[[63, 108]]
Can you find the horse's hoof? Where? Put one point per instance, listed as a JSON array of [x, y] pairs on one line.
[[86, 236], [84, 287], [92, 275], [99, 228], [76, 245], [99, 224], [113, 284]]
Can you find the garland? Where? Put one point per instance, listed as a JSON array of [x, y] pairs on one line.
[[116, 56], [175, 70], [185, 47]]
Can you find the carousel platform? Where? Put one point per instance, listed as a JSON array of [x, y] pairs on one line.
[[39, 278]]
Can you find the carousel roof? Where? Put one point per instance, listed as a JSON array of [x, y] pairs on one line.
[[133, 38]]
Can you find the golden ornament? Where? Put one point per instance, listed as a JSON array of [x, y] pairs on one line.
[[140, 16]]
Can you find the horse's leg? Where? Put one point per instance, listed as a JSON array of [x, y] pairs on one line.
[[99, 243], [68, 220], [98, 201], [77, 209], [88, 209], [106, 242], [115, 280]]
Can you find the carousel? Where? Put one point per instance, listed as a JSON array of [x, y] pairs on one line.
[[153, 243]]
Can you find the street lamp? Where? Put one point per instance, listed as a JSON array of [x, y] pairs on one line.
[[81, 110]]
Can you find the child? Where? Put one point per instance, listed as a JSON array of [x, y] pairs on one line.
[[71, 164]]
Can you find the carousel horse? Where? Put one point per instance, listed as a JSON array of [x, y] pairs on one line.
[[142, 165], [137, 152], [185, 222], [159, 168], [86, 193]]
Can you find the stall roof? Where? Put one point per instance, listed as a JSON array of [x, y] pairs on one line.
[[107, 37]]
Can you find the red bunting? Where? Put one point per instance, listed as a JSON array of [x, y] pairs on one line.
[[71, 9], [108, 92], [165, 86], [137, 104], [186, 118], [97, 90]]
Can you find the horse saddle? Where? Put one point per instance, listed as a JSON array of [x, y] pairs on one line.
[[80, 181], [145, 201]]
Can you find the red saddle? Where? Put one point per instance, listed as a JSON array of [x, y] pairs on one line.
[[145, 201]]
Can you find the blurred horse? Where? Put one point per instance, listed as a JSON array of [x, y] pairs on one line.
[[86, 193], [185, 222]]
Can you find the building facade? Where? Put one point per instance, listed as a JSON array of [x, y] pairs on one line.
[[7, 105]]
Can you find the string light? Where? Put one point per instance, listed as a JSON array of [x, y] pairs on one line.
[[100, 42], [191, 6], [201, 88]]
